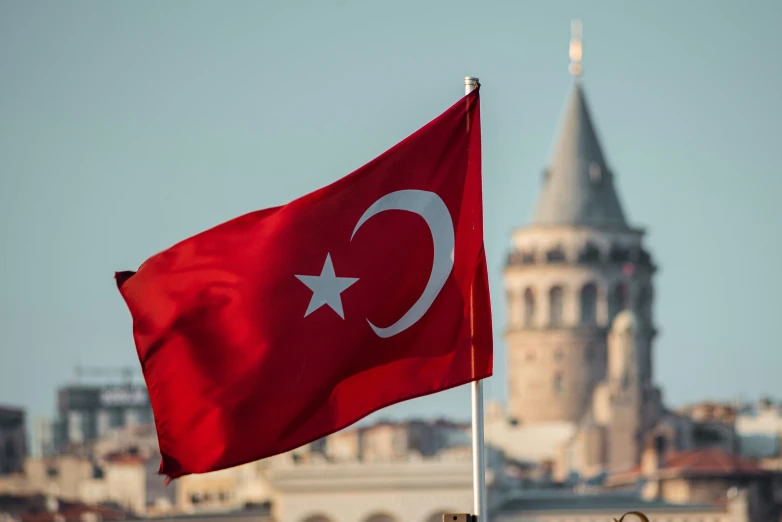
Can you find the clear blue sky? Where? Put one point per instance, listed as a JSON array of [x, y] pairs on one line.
[[127, 126]]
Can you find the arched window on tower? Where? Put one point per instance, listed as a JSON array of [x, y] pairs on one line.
[[557, 383], [556, 300], [589, 304], [556, 255], [529, 307], [617, 301], [512, 297], [643, 304], [589, 254]]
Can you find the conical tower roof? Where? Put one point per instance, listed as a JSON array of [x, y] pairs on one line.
[[578, 189]]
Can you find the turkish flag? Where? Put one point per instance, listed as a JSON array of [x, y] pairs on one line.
[[288, 324]]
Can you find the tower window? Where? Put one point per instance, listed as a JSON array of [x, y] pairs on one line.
[[556, 306], [557, 383], [529, 307], [590, 254], [644, 302], [555, 255], [589, 304], [618, 254], [617, 301], [558, 355], [595, 173]]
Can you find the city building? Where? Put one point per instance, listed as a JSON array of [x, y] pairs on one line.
[[13, 445], [392, 491], [759, 430], [42, 438], [86, 412], [546, 506], [42, 508], [701, 476], [385, 441]]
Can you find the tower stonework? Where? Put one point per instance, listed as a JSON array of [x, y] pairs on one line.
[[568, 275]]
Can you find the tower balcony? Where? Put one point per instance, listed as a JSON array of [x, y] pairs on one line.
[[616, 257]]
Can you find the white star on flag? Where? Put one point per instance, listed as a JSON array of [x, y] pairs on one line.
[[326, 288]]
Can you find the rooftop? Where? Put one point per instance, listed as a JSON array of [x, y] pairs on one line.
[[695, 463], [578, 189], [614, 502]]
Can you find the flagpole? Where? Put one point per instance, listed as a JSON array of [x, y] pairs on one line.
[[478, 449]]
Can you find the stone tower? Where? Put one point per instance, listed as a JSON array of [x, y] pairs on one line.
[[569, 274]]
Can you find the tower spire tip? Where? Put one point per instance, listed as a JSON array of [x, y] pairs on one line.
[[576, 48]]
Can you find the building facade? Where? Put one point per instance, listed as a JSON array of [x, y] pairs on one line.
[[13, 445], [85, 413], [420, 491]]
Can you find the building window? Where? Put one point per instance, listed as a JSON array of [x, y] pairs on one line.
[[589, 255], [556, 306], [558, 384], [595, 173], [617, 301], [116, 418], [589, 304], [619, 254], [529, 307], [558, 355], [644, 302], [556, 255]]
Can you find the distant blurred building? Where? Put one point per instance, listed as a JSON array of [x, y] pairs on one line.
[[137, 439], [710, 425], [43, 508], [535, 506], [702, 476], [42, 438], [759, 429], [386, 441], [13, 446], [85, 413], [420, 490]]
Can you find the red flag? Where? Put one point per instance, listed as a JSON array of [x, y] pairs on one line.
[[288, 324]]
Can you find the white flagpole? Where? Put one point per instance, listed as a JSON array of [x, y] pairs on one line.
[[478, 455]]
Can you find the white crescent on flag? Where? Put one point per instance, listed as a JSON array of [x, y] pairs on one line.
[[431, 207]]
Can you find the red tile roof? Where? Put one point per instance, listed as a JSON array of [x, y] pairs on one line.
[[699, 462], [711, 462]]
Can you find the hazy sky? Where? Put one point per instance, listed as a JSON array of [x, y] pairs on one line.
[[127, 126]]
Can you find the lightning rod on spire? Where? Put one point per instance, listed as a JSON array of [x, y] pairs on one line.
[[576, 48]]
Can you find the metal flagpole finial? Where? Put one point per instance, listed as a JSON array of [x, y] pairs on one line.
[[470, 83], [576, 48]]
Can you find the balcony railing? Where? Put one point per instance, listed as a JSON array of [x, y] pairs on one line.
[[638, 257]]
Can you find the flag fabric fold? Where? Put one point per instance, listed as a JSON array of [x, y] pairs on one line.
[[285, 325]]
